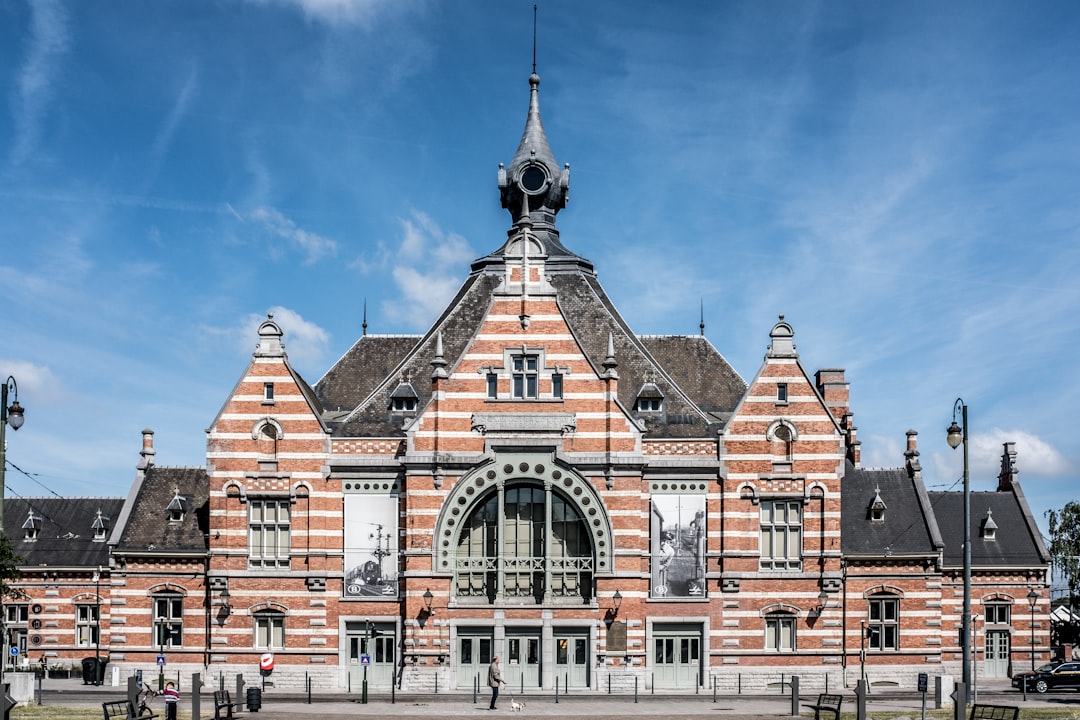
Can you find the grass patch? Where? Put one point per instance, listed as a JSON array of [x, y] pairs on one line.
[[63, 712]]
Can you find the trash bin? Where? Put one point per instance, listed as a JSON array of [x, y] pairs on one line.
[[89, 670], [254, 699], [101, 670]]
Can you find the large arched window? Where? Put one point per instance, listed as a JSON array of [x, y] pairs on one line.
[[524, 540]]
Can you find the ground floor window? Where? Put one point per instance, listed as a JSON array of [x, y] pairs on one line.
[[883, 628], [86, 625], [269, 630], [780, 633]]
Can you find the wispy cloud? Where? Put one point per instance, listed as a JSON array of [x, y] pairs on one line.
[[168, 129], [34, 86], [33, 381], [335, 12], [305, 342], [426, 269], [314, 246]]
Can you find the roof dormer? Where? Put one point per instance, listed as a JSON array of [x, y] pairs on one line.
[[32, 527], [404, 398], [988, 529], [650, 399], [177, 507], [101, 526], [876, 509]]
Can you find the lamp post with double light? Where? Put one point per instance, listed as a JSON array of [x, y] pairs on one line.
[[12, 416], [958, 435]]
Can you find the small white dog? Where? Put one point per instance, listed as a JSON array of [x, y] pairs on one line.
[[516, 706]]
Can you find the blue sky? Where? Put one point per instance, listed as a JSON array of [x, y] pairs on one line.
[[898, 179]]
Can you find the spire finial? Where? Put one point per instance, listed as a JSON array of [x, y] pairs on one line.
[[364, 326], [534, 38], [702, 323]]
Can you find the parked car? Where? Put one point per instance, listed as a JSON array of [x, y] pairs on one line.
[[1053, 676]]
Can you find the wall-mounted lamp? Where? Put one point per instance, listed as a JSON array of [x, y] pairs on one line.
[[616, 601], [823, 601], [427, 611], [226, 608]]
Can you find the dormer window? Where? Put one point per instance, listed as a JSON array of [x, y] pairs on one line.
[[177, 507], [32, 527], [404, 399], [877, 507], [650, 399], [101, 526], [989, 527]]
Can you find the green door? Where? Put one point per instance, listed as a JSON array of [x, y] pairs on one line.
[[521, 666], [677, 660], [572, 660], [377, 642], [473, 659]]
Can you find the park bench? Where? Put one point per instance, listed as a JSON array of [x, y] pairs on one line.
[[223, 701], [994, 712], [123, 710], [827, 705]]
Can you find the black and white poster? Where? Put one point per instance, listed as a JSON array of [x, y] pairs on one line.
[[677, 544], [371, 546]]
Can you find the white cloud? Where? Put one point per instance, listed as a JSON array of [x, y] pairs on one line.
[[336, 12], [37, 385], [1034, 457], [48, 40], [423, 294], [315, 246]]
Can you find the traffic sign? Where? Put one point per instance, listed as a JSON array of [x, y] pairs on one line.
[[923, 682], [14, 650], [161, 660], [365, 659]]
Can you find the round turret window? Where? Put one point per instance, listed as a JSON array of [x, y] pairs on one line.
[[533, 179]]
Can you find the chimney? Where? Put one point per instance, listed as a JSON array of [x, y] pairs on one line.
[[914, 468], [1008, 473], [851, 440], [146, 455], [834, 390]]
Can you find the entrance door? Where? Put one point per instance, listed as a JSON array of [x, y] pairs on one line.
[[521, 666], [997, 654], [677, 660], [377, 641], [473, 659], [572, 660]]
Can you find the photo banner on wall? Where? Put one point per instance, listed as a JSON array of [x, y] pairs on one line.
[[677, 545], [371, 546]]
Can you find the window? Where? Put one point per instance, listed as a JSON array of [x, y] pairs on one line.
[[883, 628], [556, 386], [86, 625], [269, 630], [168, 621], [997, 613], [492, 385], [268, 533], [17, 614], [32, 526], [781, 393], [524, 376], [100, 526], [781, 534], [403, 404], [268, 392], [649, 404], [780, 633]]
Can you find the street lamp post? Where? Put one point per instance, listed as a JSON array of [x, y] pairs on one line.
[[1033, 598], [12, 416], [956, 436], [97, 627]]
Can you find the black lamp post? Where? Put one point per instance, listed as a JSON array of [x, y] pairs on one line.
[[1033, 598], [97, 627], [958, 435], [12, 416]]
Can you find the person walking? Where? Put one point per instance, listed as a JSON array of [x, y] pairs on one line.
[[495, 679]]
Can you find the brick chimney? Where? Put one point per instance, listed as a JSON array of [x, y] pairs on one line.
[[911, 455], [1008, 473], [146, 455], [834, 390]]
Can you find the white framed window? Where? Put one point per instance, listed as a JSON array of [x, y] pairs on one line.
[[781, 394], [556, 385], [404, 404], [996, 613], [269, 630], [168, 620], [86, 625], [268, 533], [524, 376], [16, 614], [649, 404], [883, 626], [268, 392], [781, 534], [780, 632]]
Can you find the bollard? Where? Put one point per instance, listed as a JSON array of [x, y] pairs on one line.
[[795, 695], [475, 680], [196, 690], [436, 682], [609, 683], [221, 681], [635, 689], [826, 683], [239, 686], [740, 683], [714, 688], [308, 689], [522, 683], [781, 683], [860, 700], [566, 683], [556, 689], [652, 690], [393, 700]]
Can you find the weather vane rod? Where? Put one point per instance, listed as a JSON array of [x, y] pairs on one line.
[[534, 39]]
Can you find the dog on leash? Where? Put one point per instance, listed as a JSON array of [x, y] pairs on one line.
[[516, 706]]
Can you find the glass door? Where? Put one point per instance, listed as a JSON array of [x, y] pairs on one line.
[[997, 654], [474, 656], [521, 666], [572, 660]]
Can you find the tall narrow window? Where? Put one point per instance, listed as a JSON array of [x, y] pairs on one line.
[[269, 630], [556, 385], [781, 393], [524, 376], [780, 633], [883, 628], [268, 533], [86, 625], [268, 392], [492, 385], [168, 621], [781, 534]]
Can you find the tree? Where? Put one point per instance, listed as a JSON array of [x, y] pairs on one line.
[[9, 567], [1065, 547]]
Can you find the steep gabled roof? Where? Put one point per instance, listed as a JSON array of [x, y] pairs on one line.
[[908, 526], [149, 528], [65, 537], [368, 362], [699, 370], [1015, 544]]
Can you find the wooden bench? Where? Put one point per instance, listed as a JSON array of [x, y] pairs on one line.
[[123, 710], [827, 703], [223, 701], [994, 712]]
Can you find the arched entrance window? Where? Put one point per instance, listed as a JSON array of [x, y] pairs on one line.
[[524, 540]]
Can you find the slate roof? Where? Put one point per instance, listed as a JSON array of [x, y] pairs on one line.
[[148, 527], [66, 538], [1016, 544], [909, 526]]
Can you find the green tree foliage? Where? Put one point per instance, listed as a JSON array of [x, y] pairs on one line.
[[1065, 545], [9, 567]]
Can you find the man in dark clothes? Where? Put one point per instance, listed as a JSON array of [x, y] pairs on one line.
[[495, 679]]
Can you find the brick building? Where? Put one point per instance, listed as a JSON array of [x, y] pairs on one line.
[[531, 479]]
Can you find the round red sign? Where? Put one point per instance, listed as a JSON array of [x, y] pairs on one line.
[[266, 662]]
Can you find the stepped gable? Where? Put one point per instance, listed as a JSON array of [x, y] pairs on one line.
[[367, 363], [699, 370], [65, 536], [458, 324], [909, 526], [149, 527], [1015, 545]]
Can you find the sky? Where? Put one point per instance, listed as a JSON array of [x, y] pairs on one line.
[[899, 180]]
